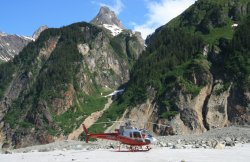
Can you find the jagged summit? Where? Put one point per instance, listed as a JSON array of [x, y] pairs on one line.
[[106, 16], [2, 33], [37, 33]]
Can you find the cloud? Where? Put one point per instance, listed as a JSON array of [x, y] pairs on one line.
[[117, 6], [159, 13]]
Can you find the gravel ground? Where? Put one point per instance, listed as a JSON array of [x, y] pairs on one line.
[[62, 145], [217, 138], [228, 136]]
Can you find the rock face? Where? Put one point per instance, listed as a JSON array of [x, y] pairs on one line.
[[217, 108], [239, 107], [11, 45], [37, 33], [106, 16]]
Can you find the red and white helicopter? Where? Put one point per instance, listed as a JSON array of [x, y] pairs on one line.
[[135, 138]]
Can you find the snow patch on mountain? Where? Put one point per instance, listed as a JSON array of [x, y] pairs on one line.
[[27, 38], [2, 34], [114, 29], [3, 58], [11, 45]]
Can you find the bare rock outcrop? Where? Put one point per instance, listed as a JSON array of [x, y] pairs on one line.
[[83, 48], [103, 61], [48, 48], [37, 33], [61, 105], [216, 108], [239, 107], [106, 16], [190, 119]]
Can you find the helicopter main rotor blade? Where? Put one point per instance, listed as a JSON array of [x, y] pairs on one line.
[[131, 121], [165, 125], [109, 122]]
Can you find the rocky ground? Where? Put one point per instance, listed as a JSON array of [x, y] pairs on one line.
[[219, 145], [217, 138]]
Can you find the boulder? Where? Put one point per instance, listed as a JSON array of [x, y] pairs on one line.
[[179, 141], [6, 145], [163, 144], [209, 144], [169, 144], [220, 146], [214, 143], [177, 146], [228, 139], [231, 143]]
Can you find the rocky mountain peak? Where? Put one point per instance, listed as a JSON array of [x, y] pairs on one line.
[[11, 45], [106, 16], [2, 34], [39, 31]]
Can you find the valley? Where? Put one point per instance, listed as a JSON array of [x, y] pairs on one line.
[[192, 74]]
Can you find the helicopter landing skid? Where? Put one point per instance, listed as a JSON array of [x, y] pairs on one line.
[[135, 149]]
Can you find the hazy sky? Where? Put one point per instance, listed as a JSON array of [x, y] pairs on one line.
[[23, 17]]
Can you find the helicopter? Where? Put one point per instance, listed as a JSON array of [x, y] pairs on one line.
[[133, 137]]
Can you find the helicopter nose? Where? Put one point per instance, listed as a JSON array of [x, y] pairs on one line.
[[154, 139]]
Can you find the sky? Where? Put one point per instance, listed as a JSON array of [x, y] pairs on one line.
[[23, 17]]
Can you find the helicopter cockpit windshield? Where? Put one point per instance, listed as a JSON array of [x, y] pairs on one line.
[[136, 135]]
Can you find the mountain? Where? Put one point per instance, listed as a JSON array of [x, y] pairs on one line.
[[59, 80], [11, 45], [108, 19], [37, 33], [106, 16], [194, 74]]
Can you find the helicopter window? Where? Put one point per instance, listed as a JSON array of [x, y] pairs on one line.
[[137, 134], [130, 134]]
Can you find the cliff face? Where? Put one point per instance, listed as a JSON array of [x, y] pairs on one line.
[[57, 81]]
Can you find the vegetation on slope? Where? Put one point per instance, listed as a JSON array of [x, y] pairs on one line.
[[176, 53], [237, 62], [52, 80], [212, 19], [43, 105]]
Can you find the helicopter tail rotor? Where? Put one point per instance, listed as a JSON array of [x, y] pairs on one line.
[[86, 132]]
